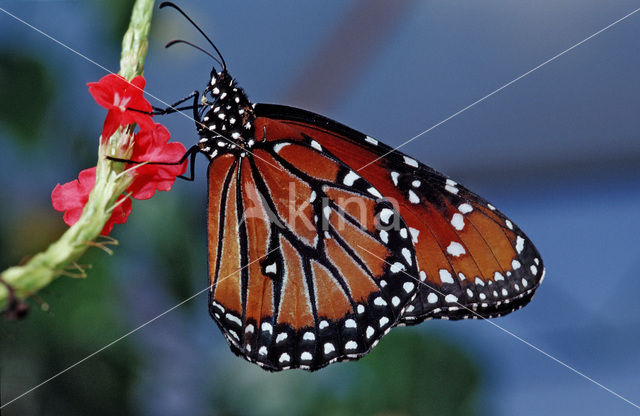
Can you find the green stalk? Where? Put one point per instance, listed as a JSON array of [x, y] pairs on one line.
[[44, 267]]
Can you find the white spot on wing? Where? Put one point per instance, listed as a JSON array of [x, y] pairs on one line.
[[408, 287], [350, 178], [234, 319], [373, 191], [329, 348], [457, 221], [351, 345], [284, 358], [519, 244], [450, 298], [414, 234], [456, 249], [385, 215], [394, 178], [451, 188], [445, 276], [465, 208], [271, 268], [316, 145], [432, 298], [327, 212], [379, 301], [413, 198], [410, 162], [407, 255], [370, 332], [277, 147], [371, 140]]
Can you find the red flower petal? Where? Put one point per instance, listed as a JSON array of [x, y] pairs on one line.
[[111, 123], [73, 196], [152, 145], [138, 82], [121, 98]]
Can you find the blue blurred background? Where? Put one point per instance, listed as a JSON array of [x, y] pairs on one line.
[[558, 151]]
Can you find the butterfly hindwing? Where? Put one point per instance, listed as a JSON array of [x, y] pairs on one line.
[[301, 274]]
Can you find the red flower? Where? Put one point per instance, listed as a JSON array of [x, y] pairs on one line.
[[73, 196], [119, 96], [152, 145]]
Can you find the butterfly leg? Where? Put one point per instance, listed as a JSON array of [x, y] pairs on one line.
[[173, 108], [189, 154], [196, 106]]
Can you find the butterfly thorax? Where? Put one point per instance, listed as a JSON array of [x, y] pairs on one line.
[[227, 117]]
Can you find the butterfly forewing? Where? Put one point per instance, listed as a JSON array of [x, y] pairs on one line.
[[472, 260], [301, 275]]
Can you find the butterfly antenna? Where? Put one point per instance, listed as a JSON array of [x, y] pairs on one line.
[[170, 4], [173, 42]]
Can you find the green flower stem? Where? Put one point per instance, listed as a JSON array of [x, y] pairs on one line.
[[111, 182]]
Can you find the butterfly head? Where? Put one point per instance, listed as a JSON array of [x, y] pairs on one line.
[[226, 115]]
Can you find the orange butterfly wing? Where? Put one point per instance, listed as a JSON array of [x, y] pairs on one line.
[[300, 274], [472, 260]]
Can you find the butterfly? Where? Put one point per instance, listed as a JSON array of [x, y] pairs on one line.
[[322, 239]]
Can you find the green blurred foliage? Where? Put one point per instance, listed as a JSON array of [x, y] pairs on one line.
[[41, 228], [119, 13], [27, 90], [409, 373], [77, 317], [175, 228]]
